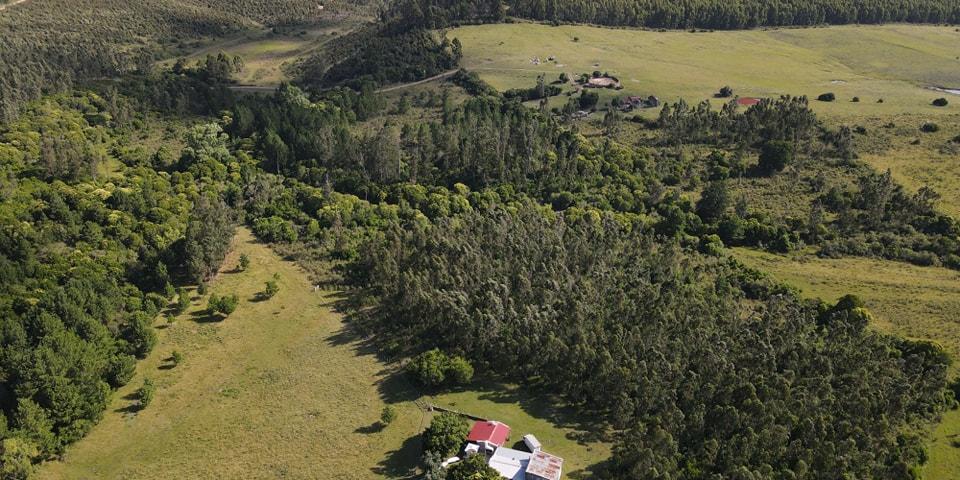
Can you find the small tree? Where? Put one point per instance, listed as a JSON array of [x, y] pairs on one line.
[[775, 156], [176, 357], [725, 92], [564, 78], [224, 305], [473, 468], [429, 368], [388, 415], [445, 434], [940, 102], [145, 393], [827, 97], [244, 262], [183, 301], [459, 370], [714, 201]]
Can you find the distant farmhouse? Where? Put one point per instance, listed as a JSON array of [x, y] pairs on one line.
[[633, 103], [488, 438]]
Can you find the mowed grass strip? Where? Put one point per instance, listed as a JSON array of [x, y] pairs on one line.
[[907, 300], [274, 391], [893, 62]]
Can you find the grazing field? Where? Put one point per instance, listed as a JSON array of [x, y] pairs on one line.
[[895, 62], [278, 390], [915, 302]]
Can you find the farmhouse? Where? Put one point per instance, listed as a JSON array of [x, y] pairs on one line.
[[747, 101], [633, 102], [488, 437]]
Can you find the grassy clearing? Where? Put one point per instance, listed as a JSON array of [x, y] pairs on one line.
[[893, 62], [916, 302], [268, 54], [277, 390]]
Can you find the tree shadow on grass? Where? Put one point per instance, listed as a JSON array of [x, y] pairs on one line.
[[401, 463], [593, 471], [375, 427], [204, 316], [130, 409], [585, 428]]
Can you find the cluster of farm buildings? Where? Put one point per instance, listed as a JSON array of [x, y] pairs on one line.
[[488, 438]]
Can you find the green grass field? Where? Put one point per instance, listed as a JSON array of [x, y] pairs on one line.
[[894, 62], [915, 302], [279, 390]]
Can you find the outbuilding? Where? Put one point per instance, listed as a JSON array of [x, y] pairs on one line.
[[490, 435]]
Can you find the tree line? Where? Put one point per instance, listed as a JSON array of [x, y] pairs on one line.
[[717, 14]]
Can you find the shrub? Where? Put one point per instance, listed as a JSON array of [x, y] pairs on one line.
[[930, 127], [388, 415], [940, 102], [775, 156], [445, 434], [275, 229], [270, 289], [120, 370], [725, 92], [139, 335], [855, 100], [145, 392], [223, 305], [244, 262], [827, 97], [176, 357]]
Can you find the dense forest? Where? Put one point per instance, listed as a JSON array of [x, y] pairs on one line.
[[718, 14]]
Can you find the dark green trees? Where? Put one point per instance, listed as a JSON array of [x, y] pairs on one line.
[[714, 201], [775, 156], [434, 368]]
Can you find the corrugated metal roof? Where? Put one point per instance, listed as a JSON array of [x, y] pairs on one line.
[[546, 466]]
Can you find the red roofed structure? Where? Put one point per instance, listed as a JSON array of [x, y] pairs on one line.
[[747, 101], [489, 434]]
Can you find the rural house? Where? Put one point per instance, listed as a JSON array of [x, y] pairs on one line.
[[488, 437]]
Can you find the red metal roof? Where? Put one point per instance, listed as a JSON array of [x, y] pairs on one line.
[[747, 101], [495, 433]]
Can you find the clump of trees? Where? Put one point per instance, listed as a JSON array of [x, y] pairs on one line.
[[208, 236], [434, 368], [941, 102]]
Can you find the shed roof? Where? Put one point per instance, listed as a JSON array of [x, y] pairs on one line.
[[546, 466], [747, 101], [510, 463]]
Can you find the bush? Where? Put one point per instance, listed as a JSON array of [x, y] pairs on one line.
[[459, 370], [183, 301], [145, 393], [176, 357], [827, 97], [445, 434], [275, 229], [775, 156], [388, 415], [244, 262], [855, 100], [929, 127], [120, 370], [725, 92], [940, 102]]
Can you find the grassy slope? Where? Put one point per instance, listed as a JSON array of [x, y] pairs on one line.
[[276, 390], [916, 302]]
